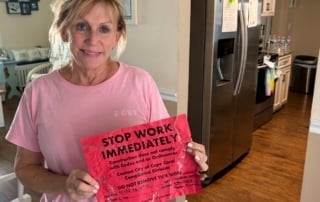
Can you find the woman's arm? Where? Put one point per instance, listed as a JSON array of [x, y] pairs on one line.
[[29, 168]]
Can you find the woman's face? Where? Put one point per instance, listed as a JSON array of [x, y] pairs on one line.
[[93, 36]]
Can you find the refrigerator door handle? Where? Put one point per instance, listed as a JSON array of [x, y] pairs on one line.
[[245, 25], [244, 49], [220, 75]]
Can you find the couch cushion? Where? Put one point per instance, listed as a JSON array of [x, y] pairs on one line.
[[33, 54], [29, 55], [20, 55], [44, 53]]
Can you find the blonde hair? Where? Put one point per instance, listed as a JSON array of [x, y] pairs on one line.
[[66, 11]]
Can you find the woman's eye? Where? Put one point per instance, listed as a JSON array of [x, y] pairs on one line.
[[104, 29], [82, 27]]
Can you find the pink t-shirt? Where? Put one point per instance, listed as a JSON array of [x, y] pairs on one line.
[[54, 114]]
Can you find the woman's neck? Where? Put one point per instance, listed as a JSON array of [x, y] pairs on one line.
[[89, 77]]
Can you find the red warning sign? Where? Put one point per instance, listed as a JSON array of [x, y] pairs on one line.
[[146, 163]]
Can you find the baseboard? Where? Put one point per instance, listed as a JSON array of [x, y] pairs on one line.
[[315, 126]]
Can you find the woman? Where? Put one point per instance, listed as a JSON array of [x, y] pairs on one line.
[[92, 94]]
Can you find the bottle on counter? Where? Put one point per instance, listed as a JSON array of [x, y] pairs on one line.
[[273, 43], [282, 45], [288, 43]]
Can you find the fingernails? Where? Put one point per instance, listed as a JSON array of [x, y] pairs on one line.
[[96, 189], [197, 158], [189, 149], [203, 178]]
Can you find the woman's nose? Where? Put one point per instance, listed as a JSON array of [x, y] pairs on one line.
[[92, 37]]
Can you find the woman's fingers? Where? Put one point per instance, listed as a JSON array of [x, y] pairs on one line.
[[81, 185], [200, 156], [88, 180]]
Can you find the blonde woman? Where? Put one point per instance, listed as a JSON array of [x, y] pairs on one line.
[[91, 94]]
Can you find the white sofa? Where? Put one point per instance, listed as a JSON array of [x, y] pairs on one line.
[[27, 59]]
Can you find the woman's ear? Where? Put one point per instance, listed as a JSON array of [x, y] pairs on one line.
[[64, 36], [118, 35]]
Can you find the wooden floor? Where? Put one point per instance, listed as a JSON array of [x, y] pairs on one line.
[[272, 171], [8, 191]]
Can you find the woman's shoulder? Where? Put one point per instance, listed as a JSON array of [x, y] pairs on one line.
[[43, 77], [134, 70], [45, 80]]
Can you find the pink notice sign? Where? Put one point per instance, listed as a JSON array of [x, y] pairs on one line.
[[143, 163]]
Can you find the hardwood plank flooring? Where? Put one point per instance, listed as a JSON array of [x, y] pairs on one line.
[[272, 171], [8, 191]]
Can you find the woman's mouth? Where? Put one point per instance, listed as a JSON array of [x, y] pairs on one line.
[[91, 53]]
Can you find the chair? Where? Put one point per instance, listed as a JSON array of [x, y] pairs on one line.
[[34, 73], [21, 196], [2, 124], [11, 176], [38, 71]]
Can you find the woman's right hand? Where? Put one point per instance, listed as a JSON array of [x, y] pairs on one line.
[[80, 185]]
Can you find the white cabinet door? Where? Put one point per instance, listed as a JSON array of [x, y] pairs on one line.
[[283, 82], [277, 94]]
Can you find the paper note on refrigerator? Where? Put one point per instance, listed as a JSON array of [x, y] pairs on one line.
[[268, 8], [230, 16], [253, 13]]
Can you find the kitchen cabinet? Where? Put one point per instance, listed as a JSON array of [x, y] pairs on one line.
[[283, 82]]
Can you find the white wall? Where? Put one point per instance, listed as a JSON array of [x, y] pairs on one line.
[[183, 55], [159, 43], [301, 23], [152, 43], [23, 31], [305, 27], [315, 112], [311, 178]]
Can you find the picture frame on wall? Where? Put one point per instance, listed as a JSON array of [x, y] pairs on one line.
[[13, 7], [293, 3], [25, 8], [34, 6], [131, 11]]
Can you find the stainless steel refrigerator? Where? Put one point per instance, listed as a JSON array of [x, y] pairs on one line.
[[222, 83]]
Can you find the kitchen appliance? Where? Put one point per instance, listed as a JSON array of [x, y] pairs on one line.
[[263, 102], [222, 83]]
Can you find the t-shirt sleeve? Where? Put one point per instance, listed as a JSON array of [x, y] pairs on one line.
[[22, 131], [158, 109]]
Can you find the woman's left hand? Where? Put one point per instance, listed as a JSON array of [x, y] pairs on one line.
[[200, 156]]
